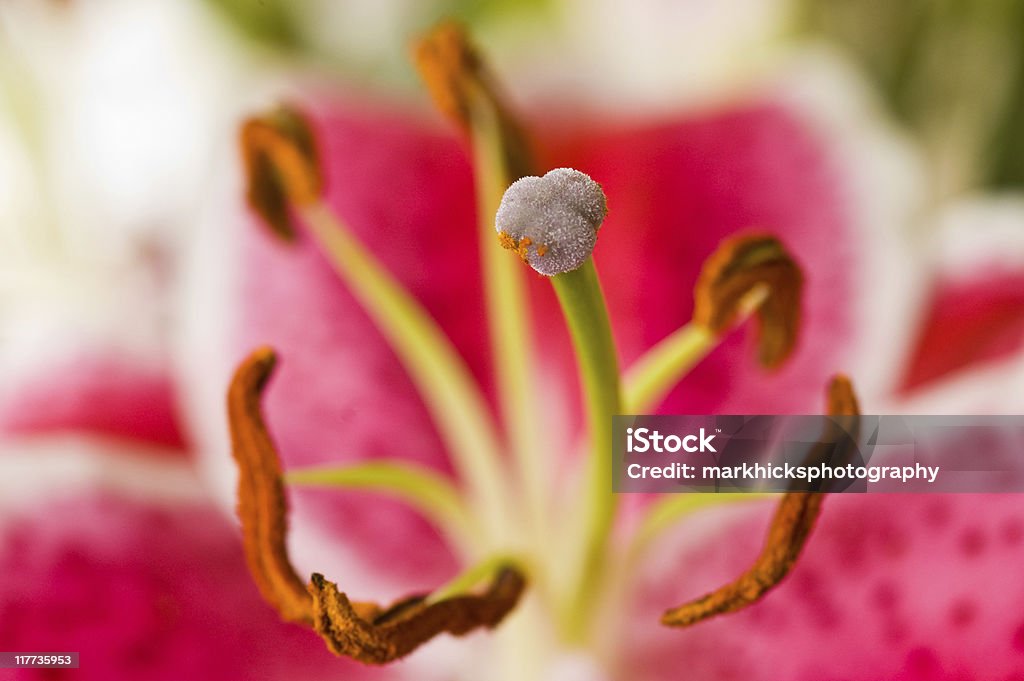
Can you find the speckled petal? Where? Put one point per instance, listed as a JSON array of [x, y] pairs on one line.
[[143, 584], [674, 192], [906, 587], [340, 394]]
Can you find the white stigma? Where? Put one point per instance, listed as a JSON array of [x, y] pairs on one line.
[[552, 221]]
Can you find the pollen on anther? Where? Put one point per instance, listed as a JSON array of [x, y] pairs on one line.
[[552, 221]]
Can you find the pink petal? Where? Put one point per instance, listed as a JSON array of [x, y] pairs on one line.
[[895, 587], [969, 322], [144, 589], [340, 394], [974, 314], [101, 392], [675, 190]]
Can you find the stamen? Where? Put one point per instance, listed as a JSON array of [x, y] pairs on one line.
[[419, 487], [448, 64], [790, 527], [281, 166], [666, 512], [435, 367], [746, 275], [462, 87], [379, 636], [552, 221], [477, 574], [653, 375], [261, 502], [465, 91], [736, 270], [363, 631]]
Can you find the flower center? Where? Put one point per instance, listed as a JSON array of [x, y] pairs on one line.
[[504, 519]]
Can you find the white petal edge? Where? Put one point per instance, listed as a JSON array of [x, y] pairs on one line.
[[34, 470], [969, 238], [887, 194]]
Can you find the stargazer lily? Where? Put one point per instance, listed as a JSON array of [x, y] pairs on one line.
[[428, 383]]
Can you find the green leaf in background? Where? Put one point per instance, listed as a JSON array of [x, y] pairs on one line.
[[474, 11], [951, 70], [270, 22], [365, 42], [284, 24], [1006, 147]]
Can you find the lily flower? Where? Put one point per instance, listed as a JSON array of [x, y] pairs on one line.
[[428, 392], [431, 431]]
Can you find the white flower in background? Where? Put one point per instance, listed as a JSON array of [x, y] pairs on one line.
[[109, 116]]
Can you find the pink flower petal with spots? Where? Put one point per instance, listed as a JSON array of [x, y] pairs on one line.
[[144, 579], [340, 394], [675, 190], [896, 587]]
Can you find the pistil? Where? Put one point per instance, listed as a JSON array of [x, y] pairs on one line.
[[579, 293], [552, 223]]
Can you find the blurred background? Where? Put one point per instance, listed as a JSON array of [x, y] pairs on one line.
[[118, 121]]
